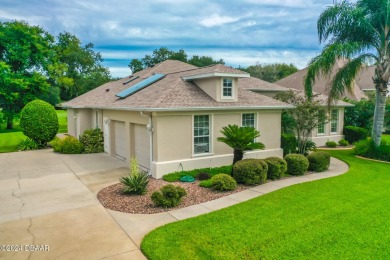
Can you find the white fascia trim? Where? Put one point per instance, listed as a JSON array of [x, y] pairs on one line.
[[216, 74], [186, 109]]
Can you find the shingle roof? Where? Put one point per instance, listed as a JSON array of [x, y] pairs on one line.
[[172, 92], [322, 84]]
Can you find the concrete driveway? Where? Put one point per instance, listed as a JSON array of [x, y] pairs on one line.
[[49, 210]]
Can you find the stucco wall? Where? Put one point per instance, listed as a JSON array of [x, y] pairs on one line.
[[79, 120], [209, 85], [269, 125]]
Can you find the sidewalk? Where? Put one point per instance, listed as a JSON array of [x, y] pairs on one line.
[[138, 225]]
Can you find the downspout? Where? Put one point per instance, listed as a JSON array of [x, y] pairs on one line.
[[149, 128]]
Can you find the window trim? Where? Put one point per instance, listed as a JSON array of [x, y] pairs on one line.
[[210, 136], [336, 121], [222, 88]]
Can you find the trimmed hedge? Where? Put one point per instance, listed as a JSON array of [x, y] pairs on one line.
[[367, 148], [297, 164], [168, 196], [318, 161], [206, 183], [354, 133], [175, 176], [331, 144], [343, 142], [288, 143], [70, 145], [276, 167], [250, 171], [223, 182], [39, 121]]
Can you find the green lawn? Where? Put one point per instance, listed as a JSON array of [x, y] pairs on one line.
[[10, 139], [344, 217]]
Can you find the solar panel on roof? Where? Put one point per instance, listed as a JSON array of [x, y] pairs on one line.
[[140, 85]]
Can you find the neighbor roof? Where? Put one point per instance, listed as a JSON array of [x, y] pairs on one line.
[[174, 93], [322, 83]]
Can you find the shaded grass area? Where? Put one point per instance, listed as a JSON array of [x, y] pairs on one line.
[[10, 138], [336, 218]]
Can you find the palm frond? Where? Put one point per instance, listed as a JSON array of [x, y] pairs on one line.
[[240, 138]]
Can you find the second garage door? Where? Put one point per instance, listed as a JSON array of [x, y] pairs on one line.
[[142, 146], [119, 139]]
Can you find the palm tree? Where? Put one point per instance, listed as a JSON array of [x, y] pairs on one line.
[[241, 139], [360, 34]]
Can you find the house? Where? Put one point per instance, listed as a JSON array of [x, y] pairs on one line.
[[361, 85], [170, 115]]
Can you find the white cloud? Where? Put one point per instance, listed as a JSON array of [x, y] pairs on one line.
[[217, 20]]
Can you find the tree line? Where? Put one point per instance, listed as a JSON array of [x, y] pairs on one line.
[[36, 65]]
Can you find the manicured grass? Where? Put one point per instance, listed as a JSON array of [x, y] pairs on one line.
[[337, 218], [386, 138], [10, 139]]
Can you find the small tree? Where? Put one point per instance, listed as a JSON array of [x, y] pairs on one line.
[[241, 139], [307, 115], [39, 121]]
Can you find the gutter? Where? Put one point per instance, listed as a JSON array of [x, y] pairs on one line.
[[149, 128]]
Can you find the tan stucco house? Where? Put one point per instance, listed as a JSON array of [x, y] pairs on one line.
[[170, 115]]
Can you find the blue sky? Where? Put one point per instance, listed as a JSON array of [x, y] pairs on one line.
[[241, 32]]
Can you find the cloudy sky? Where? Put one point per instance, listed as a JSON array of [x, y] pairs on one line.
[[242, 32]]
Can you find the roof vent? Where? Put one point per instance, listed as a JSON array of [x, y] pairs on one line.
[[140, 85]]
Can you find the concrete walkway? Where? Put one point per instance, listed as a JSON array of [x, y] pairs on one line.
[[48, 199]]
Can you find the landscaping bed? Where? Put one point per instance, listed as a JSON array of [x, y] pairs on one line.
[[112, 197]]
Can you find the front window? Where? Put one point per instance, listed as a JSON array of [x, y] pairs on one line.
[[227, 88], [334, 119], [248, 120], [321, 125], [201, 134]]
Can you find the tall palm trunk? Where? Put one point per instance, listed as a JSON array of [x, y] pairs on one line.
[[379, 115]]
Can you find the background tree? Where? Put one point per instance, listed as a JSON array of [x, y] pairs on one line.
[[240, 139], [26, 53], [83, 66], [163, 54], [359, 33], [307, 115], [271, 72]]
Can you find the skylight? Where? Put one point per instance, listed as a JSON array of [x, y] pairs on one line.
[[140, 85]]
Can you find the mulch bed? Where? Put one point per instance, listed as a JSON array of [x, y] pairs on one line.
[[112, 197]]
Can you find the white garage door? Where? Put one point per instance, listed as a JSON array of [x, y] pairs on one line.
[[142, 146], [119, 139]]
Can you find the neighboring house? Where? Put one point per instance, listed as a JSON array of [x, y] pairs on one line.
[[329, 131], [362, 84], [170, 115]]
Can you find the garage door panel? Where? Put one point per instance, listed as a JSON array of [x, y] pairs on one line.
[[119, 139], [142, 146]]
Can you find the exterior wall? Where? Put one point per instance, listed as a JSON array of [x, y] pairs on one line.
[[79, 120], [210, 86], [213, 88], [321, 139], [174, 144]]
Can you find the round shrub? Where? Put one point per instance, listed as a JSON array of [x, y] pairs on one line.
[[168, 196], [92, 140], [331, 144], [318, 161], [203, 176], [355, 133], [250, 171], [223, 182], [39, 121], [71, 145], [297, 164], [343, 142], [276, 167]]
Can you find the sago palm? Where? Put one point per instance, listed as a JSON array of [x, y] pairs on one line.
[[358, 33], [241, 139]]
